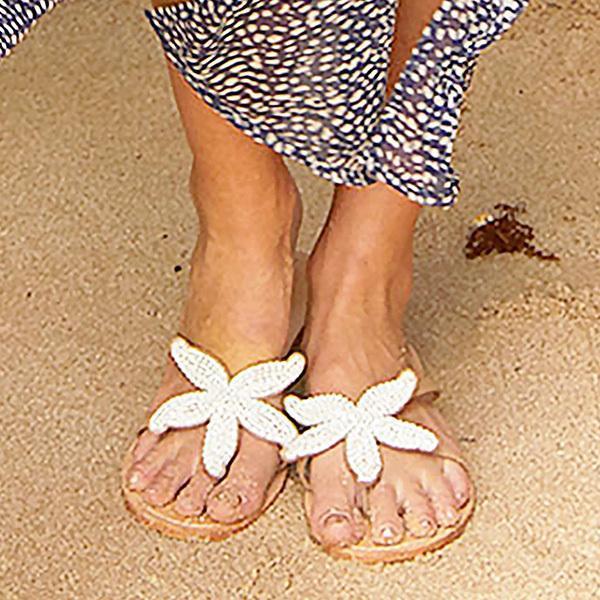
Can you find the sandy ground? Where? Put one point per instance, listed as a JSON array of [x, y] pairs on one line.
[[95, 216]]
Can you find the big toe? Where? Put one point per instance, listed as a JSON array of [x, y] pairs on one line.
[[241, 494], [234, 500], [336, 527], [335, 519]]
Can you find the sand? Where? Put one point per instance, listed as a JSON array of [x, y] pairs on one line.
[[94, 218]]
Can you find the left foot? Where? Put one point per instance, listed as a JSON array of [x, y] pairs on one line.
[[354, 339]]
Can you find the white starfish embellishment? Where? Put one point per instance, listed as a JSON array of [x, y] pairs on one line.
[[333, 417], [226, 402]]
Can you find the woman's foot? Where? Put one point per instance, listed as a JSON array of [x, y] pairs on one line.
[[360, 279], [238, 308]]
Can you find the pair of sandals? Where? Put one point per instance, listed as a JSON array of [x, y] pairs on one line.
[[225, 402]]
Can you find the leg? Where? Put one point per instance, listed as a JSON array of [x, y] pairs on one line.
[[411, 18], [360, 277], [238, 304]]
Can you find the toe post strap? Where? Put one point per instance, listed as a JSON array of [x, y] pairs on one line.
[[425, 385], [224, 402]]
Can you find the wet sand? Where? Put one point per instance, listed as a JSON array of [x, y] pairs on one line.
[[94, 220]]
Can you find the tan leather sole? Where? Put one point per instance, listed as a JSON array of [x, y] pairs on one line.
[[168, 521]]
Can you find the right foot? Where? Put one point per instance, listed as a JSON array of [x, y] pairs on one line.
[[238, 308]]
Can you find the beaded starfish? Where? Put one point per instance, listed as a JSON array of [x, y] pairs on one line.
[[334, 417], [226, 402]]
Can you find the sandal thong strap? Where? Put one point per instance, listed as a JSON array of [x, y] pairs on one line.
[[225, 402], [425, 385]]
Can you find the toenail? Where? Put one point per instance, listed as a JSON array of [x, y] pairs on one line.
[[333, 520], [227, 497], [135, 478], [387, 533], [451, 516]]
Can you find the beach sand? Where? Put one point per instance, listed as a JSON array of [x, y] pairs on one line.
[[94, 219]]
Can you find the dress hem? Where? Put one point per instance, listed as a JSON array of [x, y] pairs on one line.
[[410, 144]]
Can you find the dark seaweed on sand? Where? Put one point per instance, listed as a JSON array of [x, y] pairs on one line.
[[505, 233]]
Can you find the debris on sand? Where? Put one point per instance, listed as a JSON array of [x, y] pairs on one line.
[[503, 232]]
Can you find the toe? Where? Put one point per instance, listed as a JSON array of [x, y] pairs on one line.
[[336, 527], [144, 443], [234, 500], [191, 501], [241, 494], [458, 480], [164, 486], [171, 478], [335, 519], [145, 470], [387, 526], [443, 501], [418, 514]]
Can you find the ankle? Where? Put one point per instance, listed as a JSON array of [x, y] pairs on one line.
[[241, 255], [357, 290], [346, 309], [361, 275], [239, 298]]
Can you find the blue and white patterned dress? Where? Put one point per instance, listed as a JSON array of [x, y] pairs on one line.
[[308, 79], [16, 19]]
